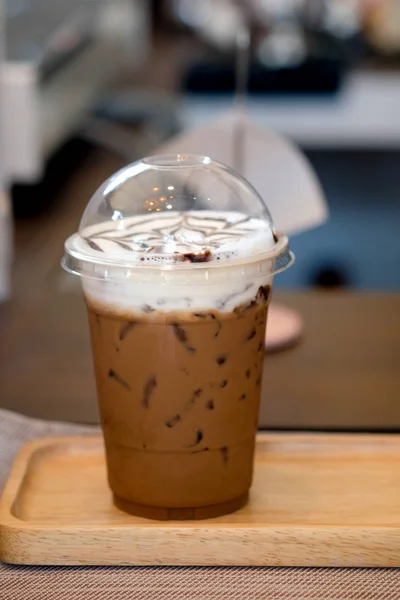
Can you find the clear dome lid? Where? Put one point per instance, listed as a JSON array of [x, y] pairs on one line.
[[174, 211]]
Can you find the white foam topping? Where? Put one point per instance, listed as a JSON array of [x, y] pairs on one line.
[[168, 237], [227, 244]]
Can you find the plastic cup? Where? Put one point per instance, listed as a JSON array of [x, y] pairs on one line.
[[177, 256]]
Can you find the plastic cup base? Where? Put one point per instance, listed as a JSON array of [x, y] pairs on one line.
[[181, 514]]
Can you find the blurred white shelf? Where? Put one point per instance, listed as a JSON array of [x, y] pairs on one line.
[[364, 113], [37, 115]]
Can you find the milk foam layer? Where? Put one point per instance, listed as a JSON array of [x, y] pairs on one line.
[[144, 298], [231, 276]]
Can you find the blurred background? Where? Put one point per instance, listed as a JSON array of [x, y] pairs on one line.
[[88, 85], [124, 75]]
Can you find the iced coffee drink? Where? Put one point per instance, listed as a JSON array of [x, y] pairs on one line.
[[177, 303]]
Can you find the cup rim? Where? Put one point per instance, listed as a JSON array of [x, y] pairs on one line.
[[177, 161]]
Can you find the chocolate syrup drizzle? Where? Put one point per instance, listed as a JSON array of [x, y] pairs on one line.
[[154, 234]]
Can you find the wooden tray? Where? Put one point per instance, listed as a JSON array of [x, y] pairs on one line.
[[317, 500]]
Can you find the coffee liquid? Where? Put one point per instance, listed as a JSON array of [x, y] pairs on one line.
[[179, 395]]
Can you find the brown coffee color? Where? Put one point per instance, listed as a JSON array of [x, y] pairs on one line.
[[179, 398]]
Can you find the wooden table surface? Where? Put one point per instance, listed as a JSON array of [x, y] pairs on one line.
[[345, 373]]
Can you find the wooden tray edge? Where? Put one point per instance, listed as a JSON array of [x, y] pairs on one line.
[[136, 545], [268, 547]]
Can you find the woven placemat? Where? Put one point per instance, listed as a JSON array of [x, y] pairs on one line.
[[172, 583]]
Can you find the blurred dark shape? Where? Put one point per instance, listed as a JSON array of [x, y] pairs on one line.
[[329, 276], [33, 200], [318, 76], [158, 13]]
